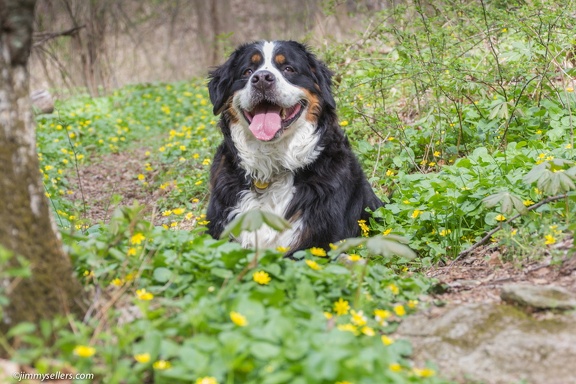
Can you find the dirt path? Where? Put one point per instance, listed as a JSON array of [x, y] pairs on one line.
[[111, 180], [480, 276]]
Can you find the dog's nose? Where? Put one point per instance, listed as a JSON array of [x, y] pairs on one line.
[[263, 79]]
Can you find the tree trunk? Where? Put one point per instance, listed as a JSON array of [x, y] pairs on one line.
[[26, 225]]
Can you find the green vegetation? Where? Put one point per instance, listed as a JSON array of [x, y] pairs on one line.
[[466, 118], [459, 104]]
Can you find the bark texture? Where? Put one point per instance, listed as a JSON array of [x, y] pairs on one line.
[[26, 226]]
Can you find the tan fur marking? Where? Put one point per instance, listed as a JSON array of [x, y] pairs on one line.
[[234, 118], [280, 59], [256, 58], [314, 108]]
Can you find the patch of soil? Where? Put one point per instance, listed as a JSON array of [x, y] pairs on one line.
[[112, 175], [479, 276]]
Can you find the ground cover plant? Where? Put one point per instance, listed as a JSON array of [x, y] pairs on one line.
[[465, 114]]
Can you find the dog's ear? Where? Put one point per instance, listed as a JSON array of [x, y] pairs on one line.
[[220, 84], [324, 78]]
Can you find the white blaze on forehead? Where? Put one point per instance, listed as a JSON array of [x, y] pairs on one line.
[[268, 53]]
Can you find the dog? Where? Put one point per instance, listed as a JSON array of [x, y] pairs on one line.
[[283, 150]]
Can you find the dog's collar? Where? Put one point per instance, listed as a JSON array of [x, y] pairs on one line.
[[260, 186]]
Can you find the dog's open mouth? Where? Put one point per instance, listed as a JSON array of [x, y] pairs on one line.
[[266, 120]]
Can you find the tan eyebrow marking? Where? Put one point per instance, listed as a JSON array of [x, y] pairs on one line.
[[256, 58], [280, 59]]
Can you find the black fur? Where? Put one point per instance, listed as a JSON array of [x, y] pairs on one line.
[[332, 193]]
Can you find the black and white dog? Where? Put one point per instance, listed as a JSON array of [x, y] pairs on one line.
[[283, 150]]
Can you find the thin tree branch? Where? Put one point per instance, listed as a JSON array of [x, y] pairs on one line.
[[492, 232], [44, 37]]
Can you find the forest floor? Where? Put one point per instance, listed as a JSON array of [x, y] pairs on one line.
[[475, 278]]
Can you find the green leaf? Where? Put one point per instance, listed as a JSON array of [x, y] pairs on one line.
[[264, 351], [21, 329], [389, 246], [386, 246], [162, 274], [508, 202], [222, 273], [253, 220]]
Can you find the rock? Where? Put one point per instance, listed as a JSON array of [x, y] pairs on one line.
[[42, 101], [538, 297], [494, 344]]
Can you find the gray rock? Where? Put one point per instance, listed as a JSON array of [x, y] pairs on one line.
[[538, 296], [495, 344]]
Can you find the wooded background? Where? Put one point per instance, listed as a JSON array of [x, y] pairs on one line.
[[100, 45]]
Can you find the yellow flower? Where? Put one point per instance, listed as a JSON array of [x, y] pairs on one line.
[[412, 303], [348, 328], [368, 331], [394, 288], [142, 358], [261, 277], [399, 310], [528, 202], [386, 340], [182, 147], [445, 232], [84, 351], [131, 251], [358, 318], [141, 177], [432, 163], [389, 173], [312, 264], [198, 182], [437, 154], [161, 365], [117, 282], [387, 232], [363, 227], [424, 372], [142, 294], [395, 367], [206, 380], [550, 239], [344, 123], [570, 89], [341, 307], [500, 217], [416, 213], [137, 238], [282, 249], [320, 252], [381, 314], [178, 211], [328, 315], [238, 319], [354, 257]]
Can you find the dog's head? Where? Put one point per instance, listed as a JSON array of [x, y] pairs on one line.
[[268, 87]]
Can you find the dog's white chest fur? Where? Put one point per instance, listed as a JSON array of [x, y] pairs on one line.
[[275, 198], [273, 163]]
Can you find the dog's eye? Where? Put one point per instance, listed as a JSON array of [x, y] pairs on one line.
[[289, 69], [248, 72]]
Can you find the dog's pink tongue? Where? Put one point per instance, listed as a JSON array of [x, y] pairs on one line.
[[266, 122]]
